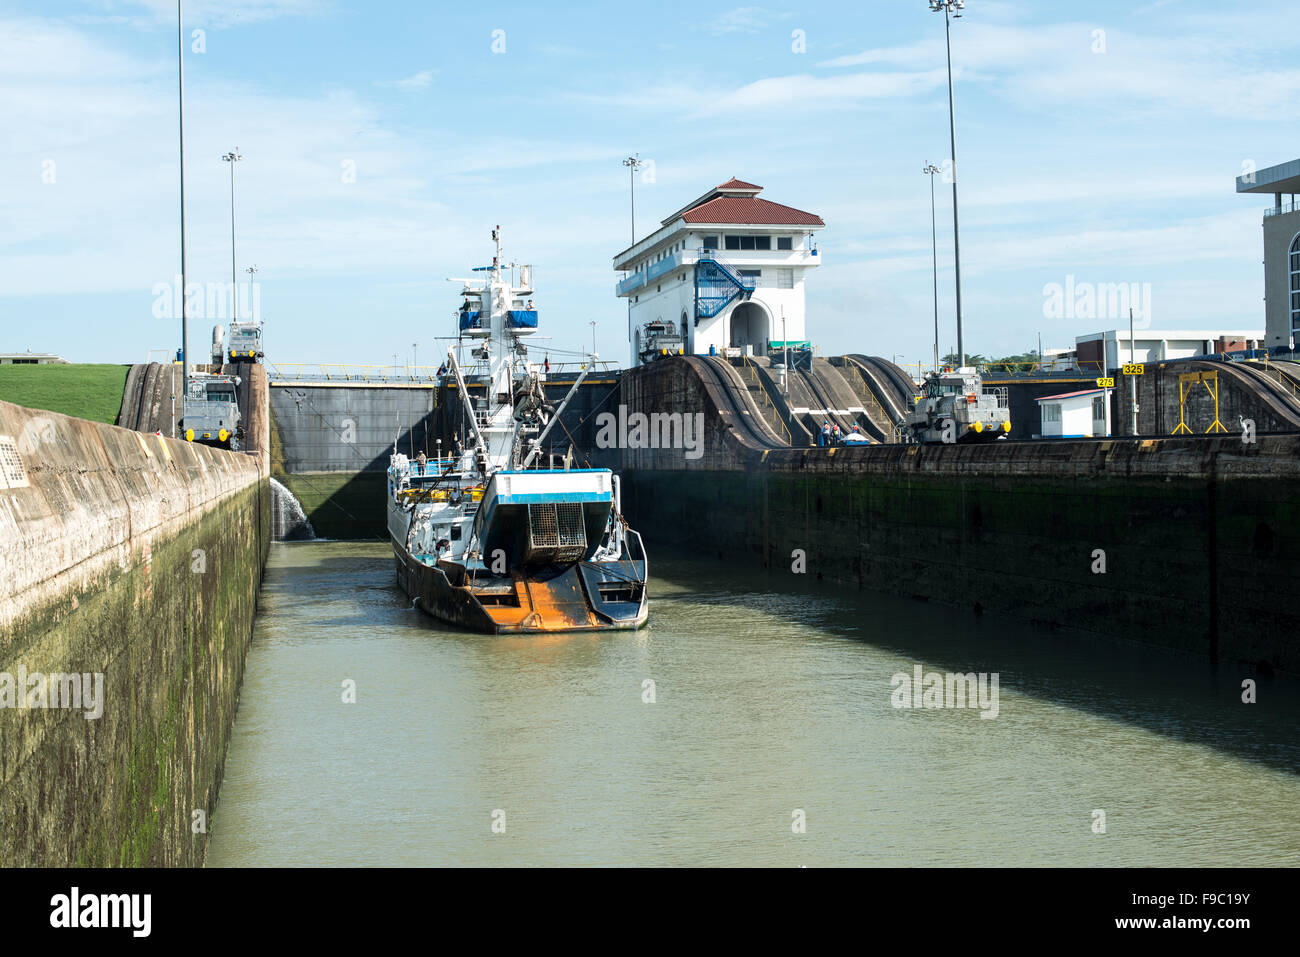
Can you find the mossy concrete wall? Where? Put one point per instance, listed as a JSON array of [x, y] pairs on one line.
[[1201, 537], [139, 558]]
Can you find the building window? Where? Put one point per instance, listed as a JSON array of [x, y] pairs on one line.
[[749, 242], [1051, 413], [1098, 408], [710, 242], [751, 273], [784, 242], [1295, 286], [785, 279]]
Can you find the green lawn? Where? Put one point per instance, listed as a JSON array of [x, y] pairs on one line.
[[86, 391]]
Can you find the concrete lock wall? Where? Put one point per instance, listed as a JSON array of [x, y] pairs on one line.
[[348, 428], [139, 558], [1201, 537]]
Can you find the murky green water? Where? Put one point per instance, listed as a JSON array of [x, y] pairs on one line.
[[765, 703]]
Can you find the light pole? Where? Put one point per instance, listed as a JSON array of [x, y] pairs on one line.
[[930, 170], [232, 158], [1132, 358], [252, 300], [593, 338], [952, 9], [633, 164], [415, 357], [180, 102]]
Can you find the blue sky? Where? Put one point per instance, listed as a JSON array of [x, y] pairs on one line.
[[1111, 165]]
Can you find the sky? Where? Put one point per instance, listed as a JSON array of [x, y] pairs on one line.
[[382, 141]]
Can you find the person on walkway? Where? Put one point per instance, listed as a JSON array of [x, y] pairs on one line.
[[824, 437]]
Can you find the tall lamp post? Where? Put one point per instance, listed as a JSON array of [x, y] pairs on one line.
[[252, 301], [180, 103], [232, 158], [951, 10], [930, 170], [633, 164]]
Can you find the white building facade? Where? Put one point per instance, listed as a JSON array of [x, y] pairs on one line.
[[726, 272], [1083, 414], [1153, 345]]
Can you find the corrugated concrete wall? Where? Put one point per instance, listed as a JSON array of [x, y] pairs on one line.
[[348, 428], [137, 558], [151, 398], [1201, 536]]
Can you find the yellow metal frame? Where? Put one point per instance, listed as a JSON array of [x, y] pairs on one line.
[[1186, 383]]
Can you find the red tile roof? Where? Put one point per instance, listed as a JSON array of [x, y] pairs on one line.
[[749, 209], [734, 183]]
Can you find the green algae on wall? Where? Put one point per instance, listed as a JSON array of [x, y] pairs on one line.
[[137, 558], [1178, 551]]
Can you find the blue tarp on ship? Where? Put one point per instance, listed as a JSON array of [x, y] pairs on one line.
[[469, 320], [522, 318]]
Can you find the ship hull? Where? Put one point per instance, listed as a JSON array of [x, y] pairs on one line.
[[579, 597]]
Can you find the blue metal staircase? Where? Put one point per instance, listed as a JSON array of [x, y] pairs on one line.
[[716, 286]]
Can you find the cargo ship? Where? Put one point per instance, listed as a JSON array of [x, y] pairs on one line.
[[484, 537]]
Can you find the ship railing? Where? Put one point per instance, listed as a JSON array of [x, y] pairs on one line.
[[434, 467]]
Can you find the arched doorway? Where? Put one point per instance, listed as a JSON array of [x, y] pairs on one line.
[[750, 326]]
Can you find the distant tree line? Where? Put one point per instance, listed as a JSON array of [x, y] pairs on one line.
[[1023, 362]]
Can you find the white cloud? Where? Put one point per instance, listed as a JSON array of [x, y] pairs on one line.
[[738, 20], [413, 83], [1209, 65]]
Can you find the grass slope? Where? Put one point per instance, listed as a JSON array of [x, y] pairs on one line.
[[86, 391]]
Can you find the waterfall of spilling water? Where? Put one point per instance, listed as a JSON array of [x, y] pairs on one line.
[[289, 522]]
